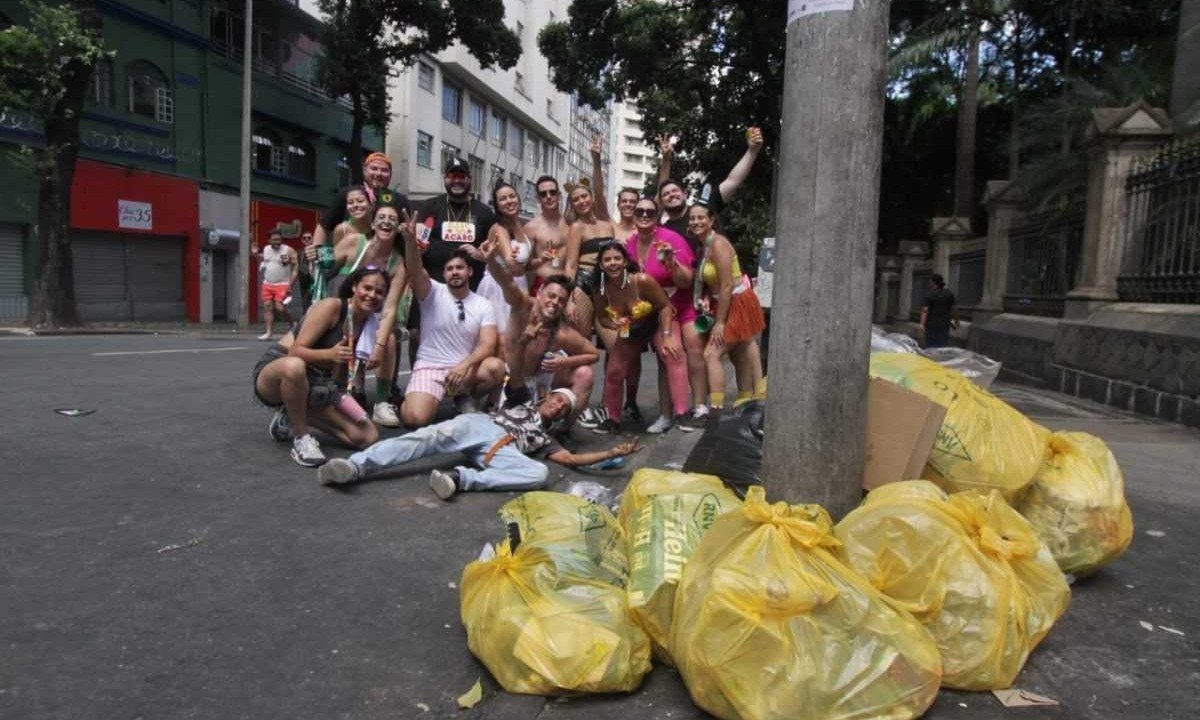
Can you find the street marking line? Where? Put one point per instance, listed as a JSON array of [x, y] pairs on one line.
[[165, 352]]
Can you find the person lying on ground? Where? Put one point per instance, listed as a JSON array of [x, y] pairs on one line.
[[501, 447], [304, 376]]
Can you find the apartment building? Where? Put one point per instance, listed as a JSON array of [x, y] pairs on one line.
[[510, 125], [635, 161]]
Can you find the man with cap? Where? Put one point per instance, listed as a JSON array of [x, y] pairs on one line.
[[377, 173], [501, 447], [456, 221]]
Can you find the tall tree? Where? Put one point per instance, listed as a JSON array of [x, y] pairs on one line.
[[45, 67], [363, 38], [701, 70]]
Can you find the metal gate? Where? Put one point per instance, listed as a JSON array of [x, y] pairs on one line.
[[14, 303], [125, 278]]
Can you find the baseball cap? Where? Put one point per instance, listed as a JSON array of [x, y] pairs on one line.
[[457, 165]]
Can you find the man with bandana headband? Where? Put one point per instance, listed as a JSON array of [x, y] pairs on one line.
[[377, 173]]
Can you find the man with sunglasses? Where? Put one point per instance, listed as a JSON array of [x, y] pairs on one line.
[[458, 345], [548, 229]]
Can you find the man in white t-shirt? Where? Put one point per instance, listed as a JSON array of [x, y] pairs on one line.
[[457, 356], [278, 266]]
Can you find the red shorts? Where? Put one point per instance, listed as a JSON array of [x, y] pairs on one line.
[[275, 292]]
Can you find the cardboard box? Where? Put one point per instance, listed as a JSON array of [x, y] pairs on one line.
[[901, 428]]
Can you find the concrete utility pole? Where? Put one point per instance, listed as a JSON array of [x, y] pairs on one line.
[[243, 273], [825, 225]]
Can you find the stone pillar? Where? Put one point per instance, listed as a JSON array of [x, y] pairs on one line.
[[912, 253], [1114, 138], [1003, 202], [943, 231], [886, 267]]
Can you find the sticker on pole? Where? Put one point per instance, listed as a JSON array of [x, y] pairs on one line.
[[800, 8]]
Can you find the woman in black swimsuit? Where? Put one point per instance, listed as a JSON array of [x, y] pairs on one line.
[[305, 374]]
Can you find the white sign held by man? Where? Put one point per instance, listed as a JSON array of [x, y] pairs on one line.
[[135, 215]]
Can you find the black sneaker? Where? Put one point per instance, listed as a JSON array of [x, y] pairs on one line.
[[632, 414], [697, 419], [592, 417], [608, 427], [280, 428]]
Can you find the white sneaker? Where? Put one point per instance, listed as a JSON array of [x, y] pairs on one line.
[[661, 425], [265, 336], [443, 483], [306, 451], [337, 471], [385, 414]]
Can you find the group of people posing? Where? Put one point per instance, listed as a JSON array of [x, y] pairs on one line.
[[508, 316]]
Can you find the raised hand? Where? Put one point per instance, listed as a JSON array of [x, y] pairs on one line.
[[754, 138], [597, 144]]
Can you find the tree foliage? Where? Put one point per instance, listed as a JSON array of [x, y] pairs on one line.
[[704, 71], [45, 67], [362, 38]]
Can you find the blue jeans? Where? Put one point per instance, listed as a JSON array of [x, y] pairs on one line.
[[473, 434]]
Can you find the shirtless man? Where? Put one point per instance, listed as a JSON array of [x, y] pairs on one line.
[[548, 230], [539, 345]]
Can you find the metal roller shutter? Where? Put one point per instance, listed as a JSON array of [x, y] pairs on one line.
[[100, 286], [220, 286], [14, 304], [154, 269]]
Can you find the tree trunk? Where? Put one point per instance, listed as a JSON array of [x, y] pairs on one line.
[[968, 107], [53, 302], [1014, 122], [356, 131]]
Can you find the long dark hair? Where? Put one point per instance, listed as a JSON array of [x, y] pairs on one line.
[[346, 291]]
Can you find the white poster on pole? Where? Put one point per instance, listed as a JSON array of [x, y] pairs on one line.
[[766, 272], [799, 8]]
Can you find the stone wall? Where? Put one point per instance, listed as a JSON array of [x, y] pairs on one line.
[[1023, 343]]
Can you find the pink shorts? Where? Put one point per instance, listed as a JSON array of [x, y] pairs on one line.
[[428, 380], [275, 292]]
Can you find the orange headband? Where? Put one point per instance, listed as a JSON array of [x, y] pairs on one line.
[[377, 156]]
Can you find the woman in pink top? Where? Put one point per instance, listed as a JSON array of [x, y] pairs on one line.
[[666, 256]]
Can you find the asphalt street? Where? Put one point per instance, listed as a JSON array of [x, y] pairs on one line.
[[161, 557]]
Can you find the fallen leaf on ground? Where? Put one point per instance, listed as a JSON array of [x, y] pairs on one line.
[[423, 707], [1015, 697], [1156, 533], [1146, 626], [471, 698], [1173, 631]]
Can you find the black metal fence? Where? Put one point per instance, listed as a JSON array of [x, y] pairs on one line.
[[1162, 240], [1043, 251]]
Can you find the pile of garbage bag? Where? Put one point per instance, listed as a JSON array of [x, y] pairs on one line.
[[770, 624], [979, 369], [984, 443], [968, 566], [664, 515], [1076, 503], [548, 614]]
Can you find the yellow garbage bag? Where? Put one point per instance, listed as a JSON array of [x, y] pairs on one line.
[[587, 538], [967, 566], [1076, 503], [984, 443], [542, 631], [770, 625], [664, 514]]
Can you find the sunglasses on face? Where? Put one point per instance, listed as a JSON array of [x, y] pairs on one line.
[[547, 193], [644, 212], [462, 311]]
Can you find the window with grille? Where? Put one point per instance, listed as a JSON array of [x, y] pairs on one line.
[[164, 105], [302, 161], [424, 149], [145, 82], [100, 86]]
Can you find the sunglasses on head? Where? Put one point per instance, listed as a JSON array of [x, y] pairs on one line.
[[644, 212], [547, 193]]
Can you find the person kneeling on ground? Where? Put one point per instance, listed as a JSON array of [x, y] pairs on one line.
[[497, 444], [305, 374]]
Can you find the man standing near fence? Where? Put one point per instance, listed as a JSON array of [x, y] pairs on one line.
[[937, 316]]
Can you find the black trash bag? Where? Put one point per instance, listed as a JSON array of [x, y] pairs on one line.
[[731, 447]]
